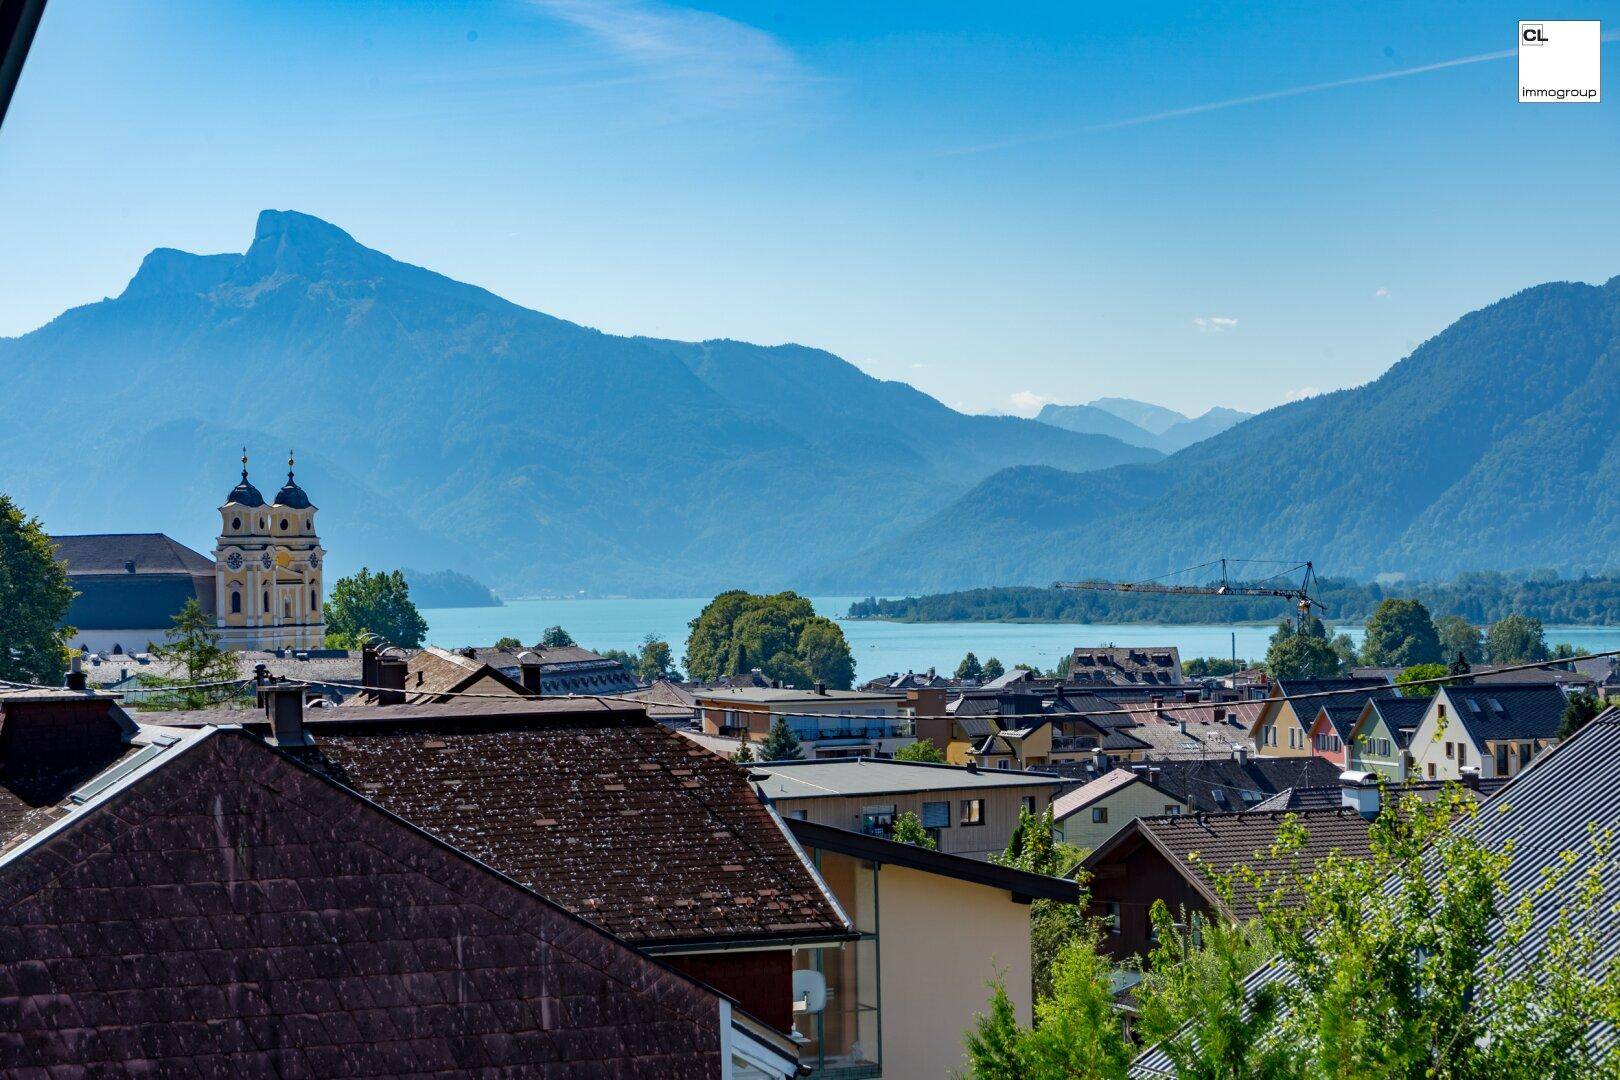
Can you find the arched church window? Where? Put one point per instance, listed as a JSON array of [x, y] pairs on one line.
[[267, 601], [314, 601], [236, 603]]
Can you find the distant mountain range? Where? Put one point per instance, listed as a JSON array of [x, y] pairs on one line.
[[1493, 445], [1140, 423], [438, 425]]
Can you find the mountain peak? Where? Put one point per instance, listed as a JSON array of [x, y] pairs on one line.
[[301, 244]]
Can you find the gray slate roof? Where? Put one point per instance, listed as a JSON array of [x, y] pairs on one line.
[[1492, 711]]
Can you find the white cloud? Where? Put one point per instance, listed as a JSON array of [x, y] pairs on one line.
[[1213, 324], [1028, 402], [1382, 292], [730, 62], [1302, 393]]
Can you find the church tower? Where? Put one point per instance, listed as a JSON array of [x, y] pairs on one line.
[[267, 569]]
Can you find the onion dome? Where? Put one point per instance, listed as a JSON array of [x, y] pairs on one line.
[[244, 493], [291, 494]]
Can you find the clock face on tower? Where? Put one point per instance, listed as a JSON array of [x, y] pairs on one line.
[[234, 560]]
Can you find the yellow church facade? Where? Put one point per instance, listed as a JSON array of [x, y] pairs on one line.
[[267, 569]]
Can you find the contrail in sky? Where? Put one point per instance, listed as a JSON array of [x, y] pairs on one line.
[[1251, 99]]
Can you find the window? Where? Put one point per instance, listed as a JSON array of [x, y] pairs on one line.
[[936, 815], [1451, 749], [1003, 764], [877, 821], [314, 601], [1029, 803], [236, 524], [796, 815], [1501, 759], [972, 812], [283, 524], [1173, 809], [236, 602], [1526, 752], [1442, 710], [1099, 815], [267, 601], [1462, 753], [1431, 770]]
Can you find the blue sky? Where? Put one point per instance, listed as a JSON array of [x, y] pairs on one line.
[[1001, 204]]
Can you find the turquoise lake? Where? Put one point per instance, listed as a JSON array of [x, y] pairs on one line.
[[879, 647]]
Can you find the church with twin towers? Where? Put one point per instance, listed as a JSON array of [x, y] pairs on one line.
[[262, 589]]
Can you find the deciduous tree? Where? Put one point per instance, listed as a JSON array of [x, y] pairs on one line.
[[1400, 633], [34, 598], [921, 750], [908, 829], [780, 634], [377, 603], [1516, 639]]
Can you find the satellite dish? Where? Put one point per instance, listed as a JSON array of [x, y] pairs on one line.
[[809, 990]]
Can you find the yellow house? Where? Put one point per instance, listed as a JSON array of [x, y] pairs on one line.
[[934, 930], [1282, 727]]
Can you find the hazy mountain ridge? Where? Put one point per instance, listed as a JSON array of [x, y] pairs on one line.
[[440, 425], [1490, 446], [1161, 429]]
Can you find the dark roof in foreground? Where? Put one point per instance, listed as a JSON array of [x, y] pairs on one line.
[[1217, 784], [604, 810], [1021, 883], [1546, 811], [1218, 843], [226, 912]]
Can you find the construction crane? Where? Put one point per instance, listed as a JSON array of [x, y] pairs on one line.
[[1300, 595]]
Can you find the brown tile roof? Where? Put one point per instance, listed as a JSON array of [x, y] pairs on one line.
[[602, 809], [61, 743], [1202, 843], [229, 913], [1083, 796]]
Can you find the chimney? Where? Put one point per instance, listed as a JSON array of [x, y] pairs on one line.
[[530, 666], [972, 765], [129, 566], [390, 682], [1099, 760], [1240, 754], [368, 665], [1470, 777], [1359, 792], [76, 678], [821, 688], [1181, 726], [284, 705]]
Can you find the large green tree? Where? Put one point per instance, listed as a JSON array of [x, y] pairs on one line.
[[780, 634], [34, 598], [656, 661], [1458, 635], [378, 604], [1400, 633], [1516, 639], [969, 668], [1302, 656], [780, 744]]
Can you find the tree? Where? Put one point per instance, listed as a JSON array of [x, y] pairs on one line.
[[780, 744], [555, 637], [1458, 635], [1419, 672], [1579, 710], [993, 669], [377, 603], [1301, 656], [1516, 639], [34, 597], [908, 829], [508, 642], [744, 754], [779, 634], [1053, 924], [921, 750], [625, 659], [1400, 633], [969, 668], [656, 662], [192, 646], [993, 1041]]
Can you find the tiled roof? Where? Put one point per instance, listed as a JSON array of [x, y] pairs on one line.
[[1222, 842], [1219, 784], [1401, 715], [1508, 710], [1302, 798], [607, 812], [769, 695], [229, 913], [110, 553], [64, 742], [1342, 717]]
